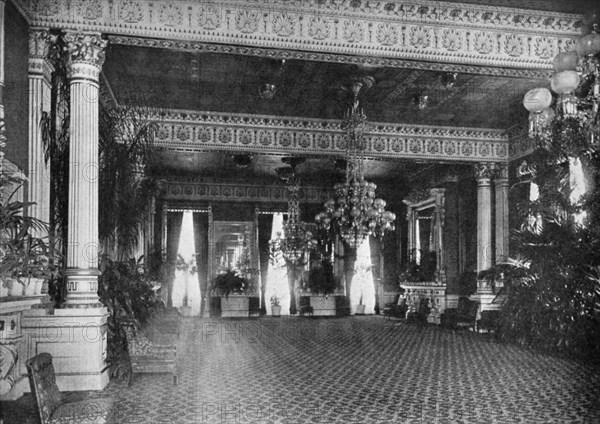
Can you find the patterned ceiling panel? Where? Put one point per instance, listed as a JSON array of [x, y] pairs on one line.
[[230, 83]]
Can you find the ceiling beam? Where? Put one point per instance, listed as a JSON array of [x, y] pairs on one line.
[[451, 33], [210, 131]]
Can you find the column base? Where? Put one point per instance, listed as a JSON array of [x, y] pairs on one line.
[[82, 289]]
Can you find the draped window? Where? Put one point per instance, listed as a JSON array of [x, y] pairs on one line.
[[277, 281], [186, 290], [265, 224], [362, 282]]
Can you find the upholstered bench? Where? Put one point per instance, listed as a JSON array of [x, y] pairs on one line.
[[146, 356], [49, 402]]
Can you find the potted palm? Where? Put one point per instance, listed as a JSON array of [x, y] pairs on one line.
[[275, 306]]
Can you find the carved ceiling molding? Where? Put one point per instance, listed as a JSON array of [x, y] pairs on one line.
[[191, 189], [204, 131], [381, 62], [423, 30]]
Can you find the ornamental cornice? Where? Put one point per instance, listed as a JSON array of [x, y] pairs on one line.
[[203, 131], [197, 189], [424, 30]]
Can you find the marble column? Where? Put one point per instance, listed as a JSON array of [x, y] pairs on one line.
[[502, 232], [485, 252], [2, 3], [86, 56], [40, 92]]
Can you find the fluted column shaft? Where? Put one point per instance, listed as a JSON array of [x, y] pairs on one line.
[[86, 55], [1, 58], [40, 92], [484, 216], [502, 230]]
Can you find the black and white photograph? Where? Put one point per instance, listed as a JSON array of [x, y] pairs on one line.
[[299, 211]]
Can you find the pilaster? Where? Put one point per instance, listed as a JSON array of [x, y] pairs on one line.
[[484, 173], [85, 59], [40, 86], [502, 231]]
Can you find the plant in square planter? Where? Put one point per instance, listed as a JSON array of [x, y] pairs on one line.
[[275, 306], [233, 290], [322, 283]]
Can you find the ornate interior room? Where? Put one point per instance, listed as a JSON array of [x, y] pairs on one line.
[[385, 147]]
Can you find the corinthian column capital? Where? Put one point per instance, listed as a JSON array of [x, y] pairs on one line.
[[86, 53], [40, 42], [484, 172], [501, 175]]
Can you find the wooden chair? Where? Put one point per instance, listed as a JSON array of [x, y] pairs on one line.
[[50, 405], [463, 316], [304, 306], [146, 356]]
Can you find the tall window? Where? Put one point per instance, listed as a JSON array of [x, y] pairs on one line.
[[277, 281], [186, 288], [362, 283]]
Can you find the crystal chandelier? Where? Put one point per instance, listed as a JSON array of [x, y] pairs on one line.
[[355, 213], [576, 81], [296, 240]]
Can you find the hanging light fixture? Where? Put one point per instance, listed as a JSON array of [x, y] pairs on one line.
[[576, 81], [355, 213], [296, 240]]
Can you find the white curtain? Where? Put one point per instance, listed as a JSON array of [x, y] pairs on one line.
[[362, 283], [186, 288], [277, 282]]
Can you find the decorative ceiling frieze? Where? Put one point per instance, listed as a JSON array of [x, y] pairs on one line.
[[205, 131], [191, 189], [424, 30]]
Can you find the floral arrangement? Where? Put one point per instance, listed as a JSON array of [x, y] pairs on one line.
[[275, 301]]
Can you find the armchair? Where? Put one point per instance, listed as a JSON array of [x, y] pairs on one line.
[[146, 356], [464, 315], [49, 403], [396, 309]]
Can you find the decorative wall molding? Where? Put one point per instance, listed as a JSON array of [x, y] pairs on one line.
[[204, 131], [192, 189], [423, 30]]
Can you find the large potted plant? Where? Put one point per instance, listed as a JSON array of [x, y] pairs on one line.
[[232, 289], [275, 306]]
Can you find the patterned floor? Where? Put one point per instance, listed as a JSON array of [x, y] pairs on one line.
[[350, 370]]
